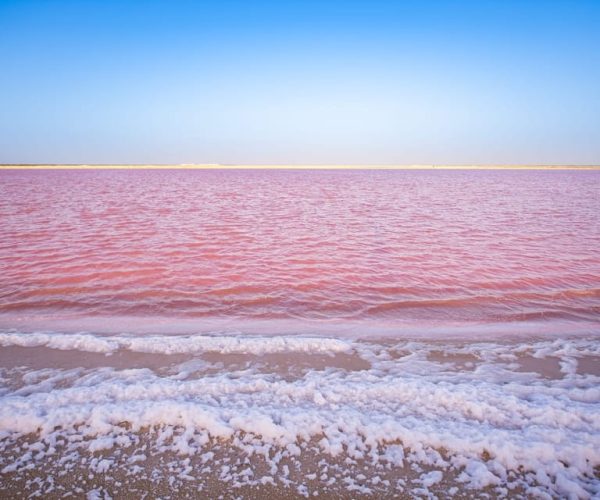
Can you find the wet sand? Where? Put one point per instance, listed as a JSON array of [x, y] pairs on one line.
[[281, 364]]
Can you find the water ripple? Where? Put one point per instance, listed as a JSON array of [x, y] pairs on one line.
[[461, 246]]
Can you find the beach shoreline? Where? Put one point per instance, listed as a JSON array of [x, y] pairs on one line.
[[119, 415]]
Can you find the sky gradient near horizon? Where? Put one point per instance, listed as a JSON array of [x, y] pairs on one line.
[[353, 82]]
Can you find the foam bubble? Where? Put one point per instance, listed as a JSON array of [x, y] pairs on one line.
[[174, 344]]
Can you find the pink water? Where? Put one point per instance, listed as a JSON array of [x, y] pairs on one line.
[[394, 248]]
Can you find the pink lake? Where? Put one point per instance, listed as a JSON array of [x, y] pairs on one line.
[[279, 251]]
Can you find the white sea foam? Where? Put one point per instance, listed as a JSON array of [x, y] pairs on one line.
[[414, 400], [174, 344]]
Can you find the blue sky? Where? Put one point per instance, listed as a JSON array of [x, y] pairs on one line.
[[358, 82]]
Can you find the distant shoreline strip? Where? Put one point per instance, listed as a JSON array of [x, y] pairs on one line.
[[291, 167]]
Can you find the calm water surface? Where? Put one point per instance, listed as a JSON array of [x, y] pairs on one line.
[[395, 248]]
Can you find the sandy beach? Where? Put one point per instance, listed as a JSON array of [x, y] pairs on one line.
[[126, 417]]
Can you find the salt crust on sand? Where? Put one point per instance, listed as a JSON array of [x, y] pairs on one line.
[[488, 418]]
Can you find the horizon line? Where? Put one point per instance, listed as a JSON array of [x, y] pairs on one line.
[[218, 166]]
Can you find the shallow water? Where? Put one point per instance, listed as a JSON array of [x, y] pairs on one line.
[[277, 333]]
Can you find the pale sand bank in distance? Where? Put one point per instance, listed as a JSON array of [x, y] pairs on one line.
[[186, 166]]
